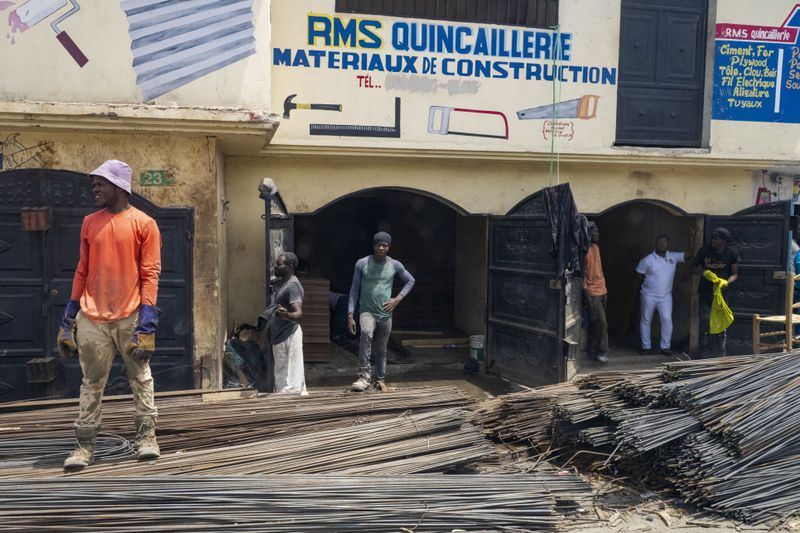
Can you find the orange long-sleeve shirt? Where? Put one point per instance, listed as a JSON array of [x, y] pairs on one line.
[[594, 278], [119, 265]]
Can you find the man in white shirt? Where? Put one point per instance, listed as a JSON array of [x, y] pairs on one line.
[[658, 271]]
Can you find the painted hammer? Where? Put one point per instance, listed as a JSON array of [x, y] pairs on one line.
[[288, 105]]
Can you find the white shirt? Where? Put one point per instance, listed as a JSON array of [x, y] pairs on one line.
[[659, 272]]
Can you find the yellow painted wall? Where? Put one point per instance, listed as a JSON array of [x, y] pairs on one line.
[[308, 183], [193, 163]]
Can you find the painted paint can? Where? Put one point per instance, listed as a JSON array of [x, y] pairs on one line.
[[476, 347]]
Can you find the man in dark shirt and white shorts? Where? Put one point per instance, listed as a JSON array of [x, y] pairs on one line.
[[722, 260], [372, 289], [286, 335]]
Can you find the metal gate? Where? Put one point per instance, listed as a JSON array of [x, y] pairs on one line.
[[37, 263], [761, 235], [534, 308]]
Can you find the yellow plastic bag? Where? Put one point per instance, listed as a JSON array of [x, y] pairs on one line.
[[721, 316]]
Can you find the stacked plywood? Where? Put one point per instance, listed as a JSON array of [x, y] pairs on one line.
[[316, 319]]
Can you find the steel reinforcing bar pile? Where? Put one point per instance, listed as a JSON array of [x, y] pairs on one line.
[[724, 433]]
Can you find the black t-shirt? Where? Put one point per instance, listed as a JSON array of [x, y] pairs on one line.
[[718, 263], [285, 293]]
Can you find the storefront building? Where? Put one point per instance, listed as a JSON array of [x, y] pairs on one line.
[[664, 117], [431, 124]]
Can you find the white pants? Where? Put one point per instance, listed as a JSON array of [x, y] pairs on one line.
[[664, 306], [288, 357]]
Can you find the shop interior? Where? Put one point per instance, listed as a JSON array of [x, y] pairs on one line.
[[442, 247], [628, 232]]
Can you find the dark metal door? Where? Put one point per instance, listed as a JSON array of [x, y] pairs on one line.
[[23, 301], [530, 336], [761, 235], [36, 271], [173, 364], [662, 51]]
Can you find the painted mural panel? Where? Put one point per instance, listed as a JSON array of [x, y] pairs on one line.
[[372, 80], [757, 71], [174, 43], [130, 51]]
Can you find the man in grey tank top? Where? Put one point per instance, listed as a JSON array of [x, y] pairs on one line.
[[372, 289]]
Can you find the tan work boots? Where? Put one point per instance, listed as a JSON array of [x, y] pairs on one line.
[[83, 454], [146, 444]]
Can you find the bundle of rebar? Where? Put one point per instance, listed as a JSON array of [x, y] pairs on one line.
[[607, 378], [640, 389], [611, 406], [576, 408], [724, 432], [387, 437], [523, 416], [646, 429], [754, 407], [282, 504], [188, 423], [744, 463], [684, 370], [428, 442], [598, 437]]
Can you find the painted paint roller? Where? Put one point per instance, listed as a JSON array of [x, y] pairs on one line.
[[583, 108], [33, 12]]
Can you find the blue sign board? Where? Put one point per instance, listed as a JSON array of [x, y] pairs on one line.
[[757, 72]]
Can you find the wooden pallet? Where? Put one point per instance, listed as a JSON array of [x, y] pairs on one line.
[[430, 338]]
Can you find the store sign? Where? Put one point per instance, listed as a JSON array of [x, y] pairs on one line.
[[757, 72], [423, 48]]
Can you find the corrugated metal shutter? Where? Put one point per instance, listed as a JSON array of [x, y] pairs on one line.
[[174, 43], [530, 13], [660, 97]]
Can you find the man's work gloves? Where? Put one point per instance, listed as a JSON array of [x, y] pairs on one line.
[[143, 341], [141, 345], [65, 341]]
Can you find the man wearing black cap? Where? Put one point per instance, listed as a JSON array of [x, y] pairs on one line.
[[372, 288], [723, 261]]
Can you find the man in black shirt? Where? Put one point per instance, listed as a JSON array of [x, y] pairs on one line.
[[286, 335], [723, 261]]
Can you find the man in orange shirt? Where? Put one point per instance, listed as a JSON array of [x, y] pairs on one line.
[[596, 295], [113, 309]]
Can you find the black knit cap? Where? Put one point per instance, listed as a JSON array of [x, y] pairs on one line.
[[382, 236], [722, 234]]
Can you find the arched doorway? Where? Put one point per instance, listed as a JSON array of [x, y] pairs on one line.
[[442, 246], [628, 233], [36, 271]]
